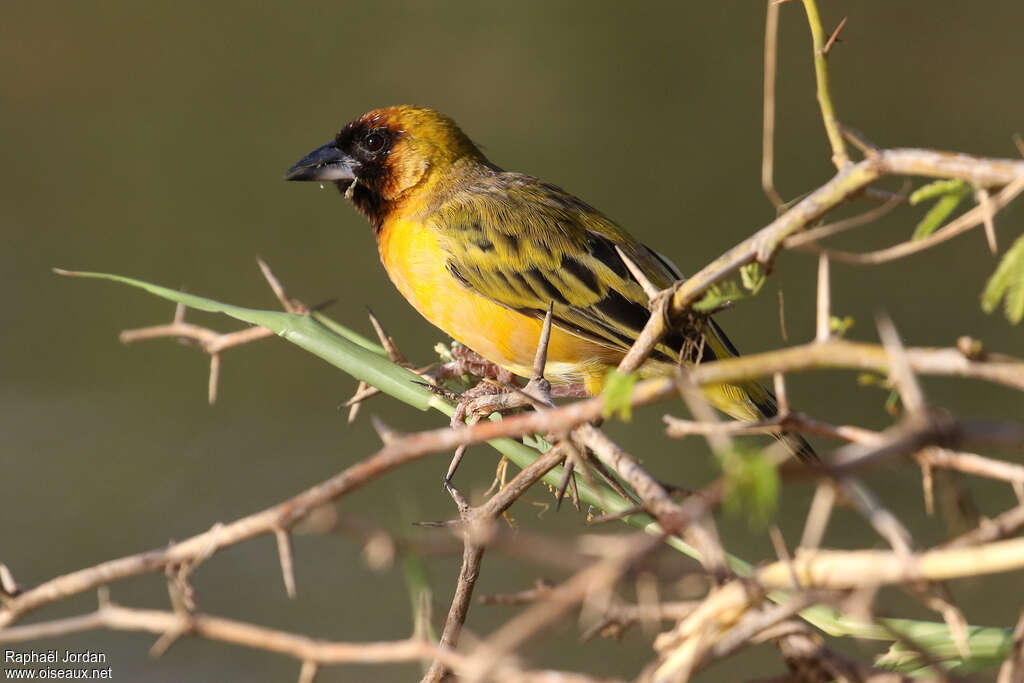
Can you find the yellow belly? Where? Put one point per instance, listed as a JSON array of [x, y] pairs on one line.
[[416, 264]]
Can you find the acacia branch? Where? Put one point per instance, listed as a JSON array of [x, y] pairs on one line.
[[822, 43], [830, 354], [303, 648], [862, 568], [310, 651], [765, 243]]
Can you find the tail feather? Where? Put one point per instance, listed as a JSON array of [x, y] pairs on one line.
[[750, 401], [799, 447]]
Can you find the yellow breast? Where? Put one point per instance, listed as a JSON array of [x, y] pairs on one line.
[[415, 262]]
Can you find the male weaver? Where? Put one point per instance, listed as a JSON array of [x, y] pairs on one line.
[[481, 253]]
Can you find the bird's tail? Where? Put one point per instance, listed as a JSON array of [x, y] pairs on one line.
[[749, 401], [799, 447]]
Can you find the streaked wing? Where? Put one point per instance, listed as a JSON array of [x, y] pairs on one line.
[[524, 244]]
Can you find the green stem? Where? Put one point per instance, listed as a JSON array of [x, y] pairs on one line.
[[839, 156]]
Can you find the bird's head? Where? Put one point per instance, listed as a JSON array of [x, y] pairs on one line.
[[385, 154]]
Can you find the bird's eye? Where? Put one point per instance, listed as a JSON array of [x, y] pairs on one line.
[[375, 141]]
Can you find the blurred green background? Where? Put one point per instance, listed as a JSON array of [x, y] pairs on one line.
[[150, 139]]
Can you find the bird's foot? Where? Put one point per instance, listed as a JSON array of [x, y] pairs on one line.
[[473, 404], [465, 362]]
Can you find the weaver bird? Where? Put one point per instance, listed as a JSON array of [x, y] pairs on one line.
[[481, 253]]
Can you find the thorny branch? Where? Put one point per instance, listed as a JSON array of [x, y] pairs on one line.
[[736, 606]]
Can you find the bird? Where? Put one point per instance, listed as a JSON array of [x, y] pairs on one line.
[[482, 253]]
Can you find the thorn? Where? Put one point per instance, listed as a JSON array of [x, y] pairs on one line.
[[899, 367], [1017, 141], [928, 487], [649, 289], [611, 481], [7, 584], [779, 543], [325, 304], [857, 139], [387, 434], [357, 400], [179, 590], [458, 420], [465, 509], [781, 398], [782, 315], [538, 389], [616, 516], [452, 466], [307, 674], [288, 304], [824, 300], [540, 359], [575, 489], [724, 306], [439, 390], [179, 313], [566, 477], [103, 597], [817, 517], [284, 552], [385, 339], [439, 524], [834, 38], [988, 214], [211, 388], [168, 638]]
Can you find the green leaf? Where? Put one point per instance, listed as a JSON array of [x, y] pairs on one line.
[[892, 402], [937, 189], [753, 277], [950, 194], [335, 343], [751, 484], [840, 325], [983, 645], [618, 394], [1007, 281], [537, 442], [717, 296]]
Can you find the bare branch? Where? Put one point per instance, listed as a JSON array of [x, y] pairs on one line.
[[842, 570], [850, 179]]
